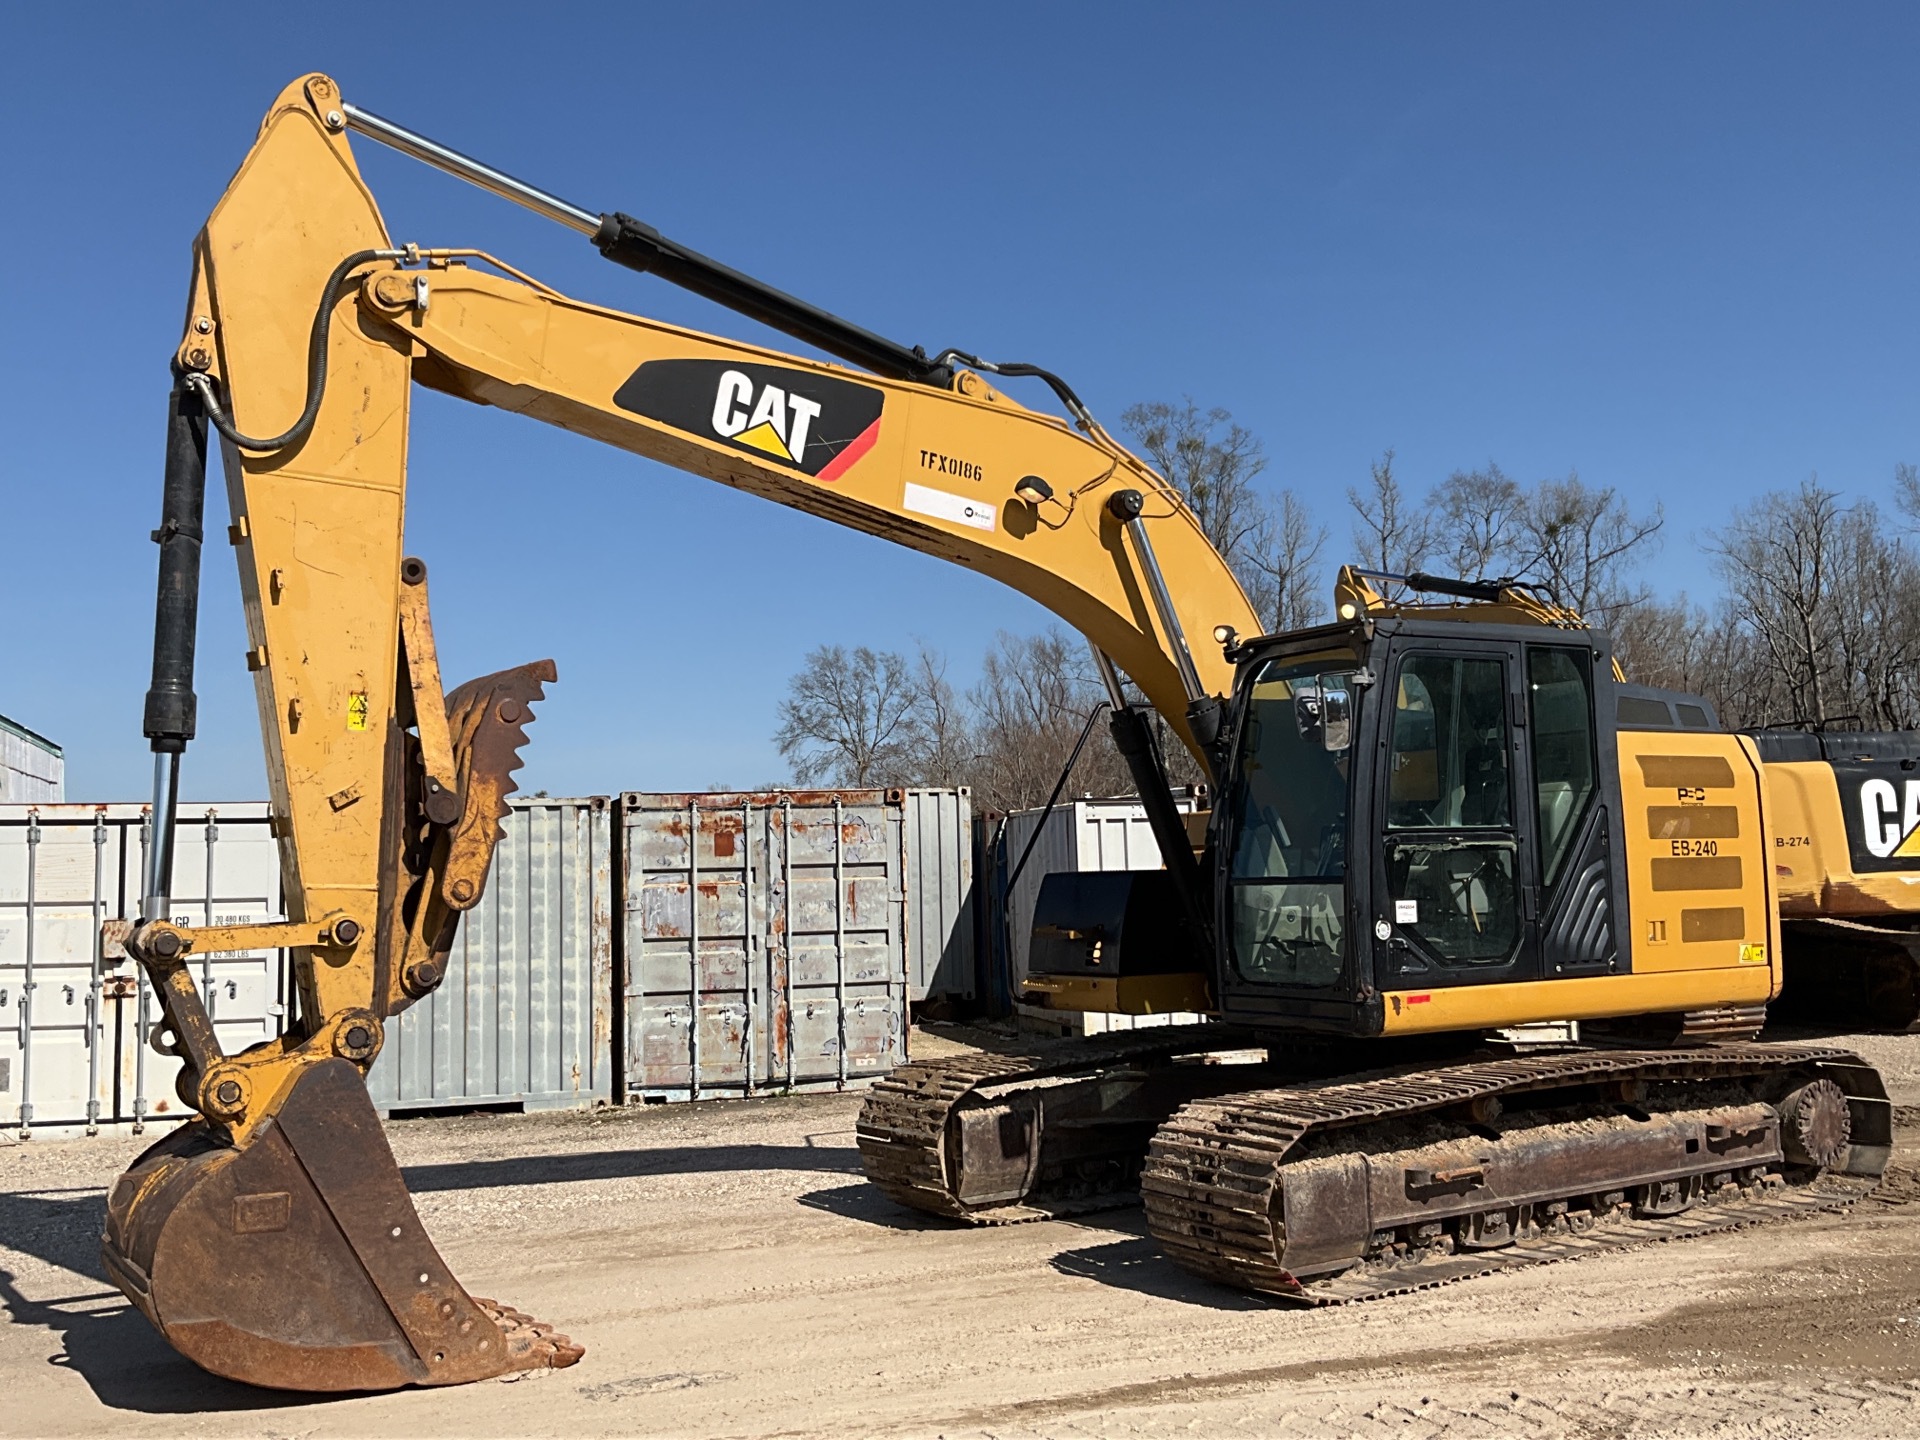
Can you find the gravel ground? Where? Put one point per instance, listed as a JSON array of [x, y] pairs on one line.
[[731, 1274]]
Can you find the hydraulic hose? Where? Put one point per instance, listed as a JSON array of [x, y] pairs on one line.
[[316, 365]]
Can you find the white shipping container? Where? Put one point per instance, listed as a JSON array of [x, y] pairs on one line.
[[71, 1020], [32, 768], [1082, 835]]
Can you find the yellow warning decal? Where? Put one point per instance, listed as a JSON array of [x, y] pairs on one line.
[[357, 710], [765, 438]]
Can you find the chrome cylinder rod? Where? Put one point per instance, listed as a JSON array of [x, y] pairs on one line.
[[156, 900], [1126, 507], [467, 168], [1109, 677]]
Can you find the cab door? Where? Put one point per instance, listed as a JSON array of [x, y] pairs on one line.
[[1455, 876], [1571, 752]]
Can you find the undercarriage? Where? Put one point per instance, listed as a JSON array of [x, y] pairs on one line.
[[1280, 1170]]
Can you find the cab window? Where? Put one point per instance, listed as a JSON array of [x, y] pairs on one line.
[[1287, 883], [1451, 849]]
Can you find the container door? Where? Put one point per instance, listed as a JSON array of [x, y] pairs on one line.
[[54, 881], [691, 876], [764, 942], [845, 961], [524, 1014]]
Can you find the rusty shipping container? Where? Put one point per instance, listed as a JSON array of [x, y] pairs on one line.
[[524, 1017], [764, 941]]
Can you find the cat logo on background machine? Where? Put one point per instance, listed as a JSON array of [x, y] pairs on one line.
[[1890, 819], [816, 424]]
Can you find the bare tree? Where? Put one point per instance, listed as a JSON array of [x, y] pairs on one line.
[[1391, 532], [1906, 491], [1281, 567], [849, 718], [942, 740], [1875, 623], [1210, 460], [1479, 523], [1581, 542], [1268, 538], [1777, 558], [1674, 644], [1033, 699]]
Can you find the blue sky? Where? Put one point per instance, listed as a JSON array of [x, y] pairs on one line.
[[1670, 246]]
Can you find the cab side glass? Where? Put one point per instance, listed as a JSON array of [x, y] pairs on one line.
[[1560, 702], [1451, 847]]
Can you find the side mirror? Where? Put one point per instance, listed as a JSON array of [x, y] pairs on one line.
[[1336, 709], [1323, 713]]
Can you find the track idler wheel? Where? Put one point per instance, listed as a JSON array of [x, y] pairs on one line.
[[1815, 1126], [298, 1262]]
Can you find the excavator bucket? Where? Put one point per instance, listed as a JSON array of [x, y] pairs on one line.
[[298, 1262], [291, 1257]]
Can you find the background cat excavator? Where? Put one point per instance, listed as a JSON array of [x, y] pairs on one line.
[[1433, 821]]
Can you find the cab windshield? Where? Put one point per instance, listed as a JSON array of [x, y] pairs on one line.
[[1287, 883]]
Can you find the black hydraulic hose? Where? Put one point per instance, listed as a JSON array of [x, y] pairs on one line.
[[1086, 732], [316, 365], [1059, 387], [1133, 737]]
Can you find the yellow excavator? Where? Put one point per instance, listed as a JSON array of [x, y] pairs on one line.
[[1434, 822], [1846, 857]]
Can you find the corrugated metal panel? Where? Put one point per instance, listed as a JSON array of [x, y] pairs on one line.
[[525, 1014], [1081, 836], [939, 885], [32, 768], [71, 1023], [764, 945]]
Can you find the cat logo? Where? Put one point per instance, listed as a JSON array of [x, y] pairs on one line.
[[1890, 821], [817, 424]]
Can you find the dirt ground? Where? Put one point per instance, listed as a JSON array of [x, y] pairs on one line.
[[731, 1274]]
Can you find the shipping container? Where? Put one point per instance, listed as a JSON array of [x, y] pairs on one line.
[[72, 1018], [821, 915], [524, 1017], [32, 768], [1079, 835], [938, 843], [764, 941]]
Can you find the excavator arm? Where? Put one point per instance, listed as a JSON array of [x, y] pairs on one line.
[[306, 329]]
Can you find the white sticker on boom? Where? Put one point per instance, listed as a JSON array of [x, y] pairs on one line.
[[1406, 912], [942, 505]]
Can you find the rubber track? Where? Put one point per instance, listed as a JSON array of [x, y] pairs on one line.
[[1214, 1171], [903, 1124]]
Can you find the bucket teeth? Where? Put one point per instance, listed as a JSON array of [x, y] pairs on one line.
[[530, 1344]]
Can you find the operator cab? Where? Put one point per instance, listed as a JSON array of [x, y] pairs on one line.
[[1412, 799], [1415, 803]]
